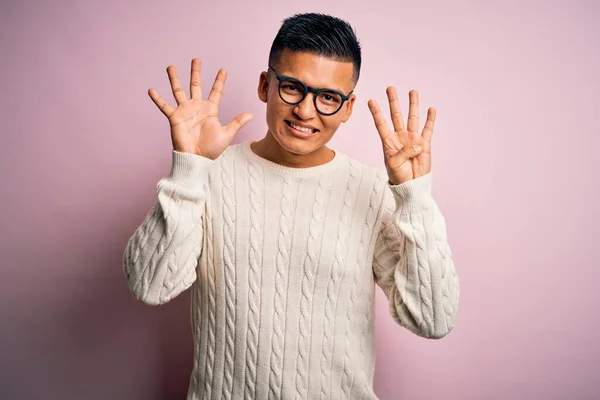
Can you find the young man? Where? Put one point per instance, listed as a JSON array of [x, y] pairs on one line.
[[282, 240]]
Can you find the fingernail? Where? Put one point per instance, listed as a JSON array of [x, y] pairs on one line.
[[417, 148]]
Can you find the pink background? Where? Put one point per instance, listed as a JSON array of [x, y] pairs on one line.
[[515, 161]]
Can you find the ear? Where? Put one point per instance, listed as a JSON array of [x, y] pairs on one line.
[[263, 86], [348, 107]]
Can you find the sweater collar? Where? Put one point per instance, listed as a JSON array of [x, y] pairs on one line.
[[332, 165]]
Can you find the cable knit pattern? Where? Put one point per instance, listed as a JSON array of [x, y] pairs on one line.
[[337, 274], [165, 270], [256, 188], [196, 311], [229, 263], [212, 307], [408, 247], [310, 268], [281, 283], [283, 263], [423, 275], [365, 238], [450, 288]]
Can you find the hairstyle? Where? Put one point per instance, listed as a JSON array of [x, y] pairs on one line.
[[319, 34]]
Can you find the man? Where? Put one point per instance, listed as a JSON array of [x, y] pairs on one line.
[[282, 240]]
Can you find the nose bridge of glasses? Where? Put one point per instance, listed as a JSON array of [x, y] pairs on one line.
[[307, 105], [311, 92]]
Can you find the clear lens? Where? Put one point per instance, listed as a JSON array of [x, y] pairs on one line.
[[328, 102], [292, 91]]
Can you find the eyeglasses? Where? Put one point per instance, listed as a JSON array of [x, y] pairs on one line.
[[292, 91]]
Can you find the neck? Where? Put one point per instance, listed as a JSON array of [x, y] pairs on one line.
[[268, 148]]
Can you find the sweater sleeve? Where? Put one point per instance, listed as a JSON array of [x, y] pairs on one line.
[[412, 261], [161, 256]]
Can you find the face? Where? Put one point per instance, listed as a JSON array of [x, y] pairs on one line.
[[318, 72]]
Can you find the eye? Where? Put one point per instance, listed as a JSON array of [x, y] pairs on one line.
[[329, 98], [291, 87]]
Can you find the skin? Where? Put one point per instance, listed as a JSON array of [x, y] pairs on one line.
[[279, 144]]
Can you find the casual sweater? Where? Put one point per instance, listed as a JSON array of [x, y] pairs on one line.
[[283, 262]]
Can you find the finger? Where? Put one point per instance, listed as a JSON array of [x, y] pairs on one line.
[[413, 112], [238, 123], [379, 119], [405, 154], [396, 113], [428, 129], [178, 91], [160, 103], [196, 80], [217, 89]]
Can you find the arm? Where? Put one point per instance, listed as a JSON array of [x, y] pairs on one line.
[[161, 256], [412, 261]]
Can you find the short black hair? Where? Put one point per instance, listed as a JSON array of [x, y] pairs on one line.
[[320, 34]]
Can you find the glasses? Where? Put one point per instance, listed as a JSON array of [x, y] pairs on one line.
[[292, 91]]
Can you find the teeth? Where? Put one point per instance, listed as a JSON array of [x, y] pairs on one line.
[[301, 128]]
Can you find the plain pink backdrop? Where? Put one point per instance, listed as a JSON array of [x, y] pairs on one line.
[[515, 168]]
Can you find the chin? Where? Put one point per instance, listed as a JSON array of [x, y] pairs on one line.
[[297, 145]]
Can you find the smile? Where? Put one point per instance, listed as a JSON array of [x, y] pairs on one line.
[[301, 128]]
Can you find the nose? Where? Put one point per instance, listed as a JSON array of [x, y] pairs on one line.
[[306, 108]]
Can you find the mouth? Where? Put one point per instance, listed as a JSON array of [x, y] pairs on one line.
[[300, 128]]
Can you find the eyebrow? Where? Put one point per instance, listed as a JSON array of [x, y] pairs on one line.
[[328, 88]]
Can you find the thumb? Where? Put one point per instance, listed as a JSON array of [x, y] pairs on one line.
[[238, 123], [405, 154]]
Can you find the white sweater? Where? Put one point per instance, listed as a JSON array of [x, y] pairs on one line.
[[283, 264]]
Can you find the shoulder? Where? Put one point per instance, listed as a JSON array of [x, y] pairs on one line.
[[223, 168], [368, 182], [371, 177]]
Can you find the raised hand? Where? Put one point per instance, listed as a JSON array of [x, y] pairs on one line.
[[195, 126], [407, 154]]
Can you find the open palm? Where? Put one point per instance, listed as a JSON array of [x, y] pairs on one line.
[[195, 125]]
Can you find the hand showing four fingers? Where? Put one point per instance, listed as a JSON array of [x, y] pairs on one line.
[[407, 154]]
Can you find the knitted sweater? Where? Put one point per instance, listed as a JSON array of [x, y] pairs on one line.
[[283, 264]]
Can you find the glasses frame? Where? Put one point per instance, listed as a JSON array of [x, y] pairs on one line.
[[307, 90]]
